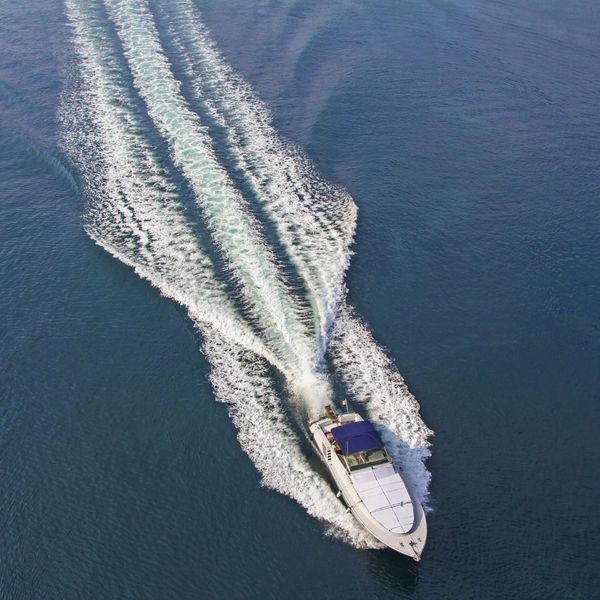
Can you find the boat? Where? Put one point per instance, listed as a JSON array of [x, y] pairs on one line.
[[368, 482]]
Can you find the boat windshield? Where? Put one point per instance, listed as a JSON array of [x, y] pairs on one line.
[[367, 458]]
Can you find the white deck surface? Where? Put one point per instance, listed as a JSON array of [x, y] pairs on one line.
[[385, 496]]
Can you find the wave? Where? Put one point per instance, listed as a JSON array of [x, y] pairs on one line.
[[131, 130]]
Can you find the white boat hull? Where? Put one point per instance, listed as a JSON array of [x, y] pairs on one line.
[[377, 496]]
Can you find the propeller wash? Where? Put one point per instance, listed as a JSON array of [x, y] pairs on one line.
[[188, 183]]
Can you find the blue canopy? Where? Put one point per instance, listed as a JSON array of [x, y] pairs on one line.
[[356, 437]]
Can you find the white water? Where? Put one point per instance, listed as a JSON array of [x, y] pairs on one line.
[[314, 219], [137, 214]]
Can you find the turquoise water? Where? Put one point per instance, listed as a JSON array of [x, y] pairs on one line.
[[164, 246]]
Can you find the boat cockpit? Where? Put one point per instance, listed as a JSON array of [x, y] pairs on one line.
[[367, 458]]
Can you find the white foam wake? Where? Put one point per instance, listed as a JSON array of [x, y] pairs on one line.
[[314, 219], [136, 212]]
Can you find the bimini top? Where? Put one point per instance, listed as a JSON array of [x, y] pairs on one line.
[[356, 437]]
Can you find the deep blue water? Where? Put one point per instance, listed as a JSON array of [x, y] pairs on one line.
[[467, 133]]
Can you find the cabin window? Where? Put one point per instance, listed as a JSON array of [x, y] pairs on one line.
[[366, 458]]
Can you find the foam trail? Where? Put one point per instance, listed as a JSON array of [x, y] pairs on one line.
[[136, 213], [314, 219], [231, 224]]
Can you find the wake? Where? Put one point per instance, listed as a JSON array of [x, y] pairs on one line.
[[123, 108]]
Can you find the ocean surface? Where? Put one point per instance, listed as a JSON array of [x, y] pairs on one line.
[[216, 216]]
